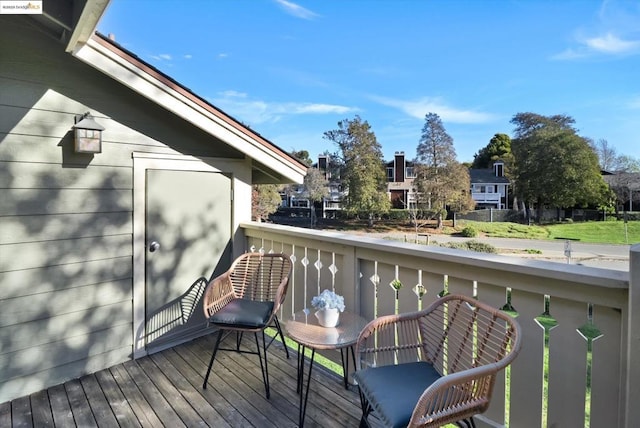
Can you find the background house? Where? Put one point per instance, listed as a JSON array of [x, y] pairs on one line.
[[626, 186], [103, 255], [489, 187], [400, 175], [332, 203]]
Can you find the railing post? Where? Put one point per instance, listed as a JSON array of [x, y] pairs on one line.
[[632, 393], [351, 283]]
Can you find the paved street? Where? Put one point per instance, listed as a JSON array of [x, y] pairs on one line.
[[594, 255]]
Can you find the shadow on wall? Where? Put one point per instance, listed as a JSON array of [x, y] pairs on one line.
[[164, 324], [66, 231]]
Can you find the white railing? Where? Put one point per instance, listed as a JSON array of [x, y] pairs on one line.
[[554, 382], [486, 197]]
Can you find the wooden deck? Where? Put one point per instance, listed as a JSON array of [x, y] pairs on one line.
[[165, 389]]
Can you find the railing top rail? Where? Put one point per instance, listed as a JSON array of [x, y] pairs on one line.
[[607, 278]]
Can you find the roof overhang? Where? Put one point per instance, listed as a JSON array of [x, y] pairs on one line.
[[271, 164], [74, 22], [70, 21], [87, 22]]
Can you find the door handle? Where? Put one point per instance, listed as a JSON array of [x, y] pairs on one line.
[[155, 245]]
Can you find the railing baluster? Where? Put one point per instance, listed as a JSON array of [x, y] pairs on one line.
[[362, 270]]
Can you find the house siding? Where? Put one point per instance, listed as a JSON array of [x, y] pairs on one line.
[[66, 219]]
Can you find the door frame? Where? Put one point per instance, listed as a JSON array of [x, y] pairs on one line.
[[240, 172]]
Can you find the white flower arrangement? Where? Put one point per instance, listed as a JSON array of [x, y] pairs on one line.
[[328, 300]]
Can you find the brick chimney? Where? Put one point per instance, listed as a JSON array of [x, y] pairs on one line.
[[323, 166], [399, 167]]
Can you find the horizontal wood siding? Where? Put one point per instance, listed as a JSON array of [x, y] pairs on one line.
[[66, 219]]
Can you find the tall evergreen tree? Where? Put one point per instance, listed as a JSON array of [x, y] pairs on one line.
[[441, 180], [363, 173]]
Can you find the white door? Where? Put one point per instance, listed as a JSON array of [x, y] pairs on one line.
[[187, 237]]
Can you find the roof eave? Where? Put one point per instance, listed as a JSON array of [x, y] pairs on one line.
[[134, 73], [130, 71], [87, 23]]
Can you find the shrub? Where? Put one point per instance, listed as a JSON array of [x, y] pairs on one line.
[[396, 215], [469, 232], [481, 247], [477, 246]]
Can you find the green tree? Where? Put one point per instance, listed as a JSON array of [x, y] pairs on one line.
[[316, 187], [363, 174], [265, 200], [303, 156], [554, 165], [441, 181], [499, 147], [528, 124]]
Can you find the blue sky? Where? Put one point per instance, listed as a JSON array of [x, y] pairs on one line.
[[292, 69]]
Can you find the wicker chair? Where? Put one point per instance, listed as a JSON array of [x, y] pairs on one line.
[[435, 366], [245, 299]]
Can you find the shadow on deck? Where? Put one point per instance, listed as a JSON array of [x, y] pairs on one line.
[[165, 389]]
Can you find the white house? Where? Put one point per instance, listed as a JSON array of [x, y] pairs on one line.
[[489, 187]]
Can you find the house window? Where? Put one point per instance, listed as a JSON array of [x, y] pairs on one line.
[[389, 174], [410, 172]]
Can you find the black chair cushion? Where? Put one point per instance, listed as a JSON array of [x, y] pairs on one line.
[[243, 313], [394, 390]]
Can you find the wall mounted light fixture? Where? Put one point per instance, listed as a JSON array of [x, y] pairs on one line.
[[87, 134]]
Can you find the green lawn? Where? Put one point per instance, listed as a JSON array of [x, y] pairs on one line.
[[603, 232]]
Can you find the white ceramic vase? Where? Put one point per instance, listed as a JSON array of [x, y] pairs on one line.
[[328, 317]]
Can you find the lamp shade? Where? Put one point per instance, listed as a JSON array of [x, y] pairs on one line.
[[87, 134]]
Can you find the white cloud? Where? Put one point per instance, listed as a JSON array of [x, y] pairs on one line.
[[419, 108], [188, 56], [255, 112], [569, 54], [233, 94], [296, 10], [162, 57], [222, 55], [611, 44], [308, 108], [607, 44]]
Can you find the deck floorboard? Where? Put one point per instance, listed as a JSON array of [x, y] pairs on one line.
[[165, 389]]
